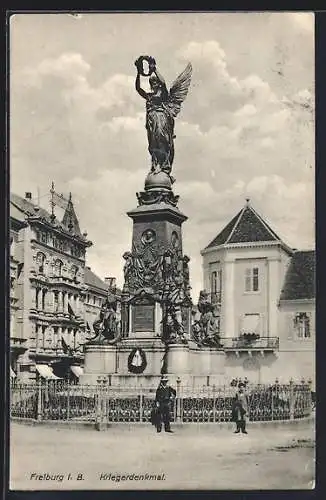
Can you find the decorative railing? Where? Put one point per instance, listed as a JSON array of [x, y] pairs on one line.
[[242, 343], [55, 400]]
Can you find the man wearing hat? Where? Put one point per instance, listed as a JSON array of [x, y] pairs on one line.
[[240, 409], [164, 396]]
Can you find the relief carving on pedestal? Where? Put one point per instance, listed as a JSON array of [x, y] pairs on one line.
[[163, 275], [206, 329]]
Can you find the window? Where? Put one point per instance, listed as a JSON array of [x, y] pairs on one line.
[[74, 271], [44, 237], [252, 279], [302, 325], [55, 336], [216, 286], [214, 282], [58, 268], [43, 337], [43, 299], [56, 301], [40, 263]]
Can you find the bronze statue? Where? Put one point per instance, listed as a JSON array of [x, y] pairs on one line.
[[206, 329], [162, 106], [107, 328]]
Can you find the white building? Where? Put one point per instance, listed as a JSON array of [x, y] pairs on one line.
[[266, 292]]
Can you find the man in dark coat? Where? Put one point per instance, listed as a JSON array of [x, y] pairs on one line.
[[240, 409], [164, 396]]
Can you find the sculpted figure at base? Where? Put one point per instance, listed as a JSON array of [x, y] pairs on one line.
[[162, 106], [107, 328], [205, 330], [173, 330]]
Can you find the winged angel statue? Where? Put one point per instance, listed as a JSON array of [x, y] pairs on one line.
[[162, 106]]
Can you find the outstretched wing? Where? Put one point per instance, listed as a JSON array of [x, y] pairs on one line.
[[179, 90]]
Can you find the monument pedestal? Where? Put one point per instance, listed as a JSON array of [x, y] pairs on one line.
[[178, 359], [100, 361]]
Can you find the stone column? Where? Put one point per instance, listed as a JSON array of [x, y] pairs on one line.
[[60, 301], [34, 304], [77, 306], [273, 296], [39, 299], [228, 320], [59, 344], [65, 302]]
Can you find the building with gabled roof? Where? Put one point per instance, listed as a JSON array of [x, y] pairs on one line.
[[50, 292], [265, 291]]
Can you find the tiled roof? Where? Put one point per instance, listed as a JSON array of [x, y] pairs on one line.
[[70, 220], [27, 207], [16, 214], [30, 209], [246, 227], [299, 281], [91, 279]]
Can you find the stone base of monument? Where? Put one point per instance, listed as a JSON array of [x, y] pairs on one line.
[[192, 365], [113, 362], [100, 360], [178, 359], [207, 361]]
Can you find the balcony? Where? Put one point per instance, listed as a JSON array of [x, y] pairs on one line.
[[240, 344]]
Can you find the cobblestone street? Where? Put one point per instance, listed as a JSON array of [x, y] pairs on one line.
[[193, 457]]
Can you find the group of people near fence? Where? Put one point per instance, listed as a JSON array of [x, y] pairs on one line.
[[165, 395]]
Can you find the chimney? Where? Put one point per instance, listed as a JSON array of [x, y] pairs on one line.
[[111, 282], [28, 195]]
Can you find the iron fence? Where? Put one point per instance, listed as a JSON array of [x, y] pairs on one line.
[[55, 400]]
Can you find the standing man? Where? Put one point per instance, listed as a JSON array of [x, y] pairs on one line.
[[240, 409], [163, 399]]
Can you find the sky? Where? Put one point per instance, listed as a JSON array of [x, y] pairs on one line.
[[246, 128]]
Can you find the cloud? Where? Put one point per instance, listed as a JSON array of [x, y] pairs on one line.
[[236, 136]]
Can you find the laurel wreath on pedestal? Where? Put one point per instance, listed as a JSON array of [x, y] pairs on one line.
[[137, 369]]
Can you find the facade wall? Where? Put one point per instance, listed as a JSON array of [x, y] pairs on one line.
[[296, 355], [271, 261]]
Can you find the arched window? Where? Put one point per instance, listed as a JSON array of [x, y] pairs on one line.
[[58, 268], [74, 271], [40, 263]]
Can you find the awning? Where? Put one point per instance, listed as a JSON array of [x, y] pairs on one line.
[[46, 372], [12, 373], [77, 370]]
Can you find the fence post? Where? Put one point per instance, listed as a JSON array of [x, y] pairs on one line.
[[214, 402], [141, 405], [39, 401], [178, 401], [291, 399], [311, 403], [68, 399], [100, 389]]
